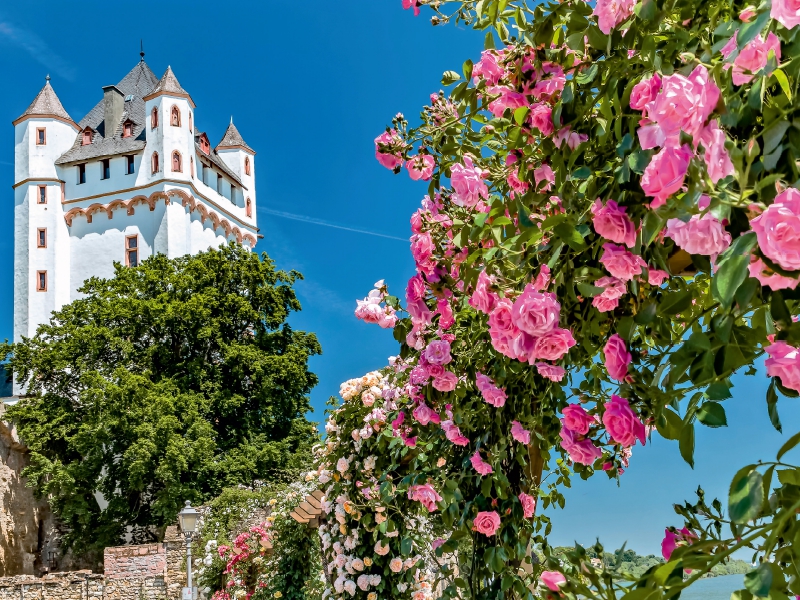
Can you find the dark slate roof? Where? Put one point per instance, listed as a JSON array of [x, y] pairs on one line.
[[5, 383], [233, 138], [138, 84], [215, 158], [46, 103], [168, 84]]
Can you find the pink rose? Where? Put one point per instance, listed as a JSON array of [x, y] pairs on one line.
[[551, 372], [778, 230], [411, 3], [388, 159], [542, 280], [422, 249], [644, 92], [622, 424], [553, 345], [541, 117], [611, 222], [482, 467], [446, 382], [665, 174], [553, 580], [421, 167], [611, 13], [487, 69], [519, 433], [572, 138], [425, 495], [767, 277], [656, 277], [491, 393], [483, 299], [468, 184], [453, 434], [487, 523], [784, 362], [528, 505], [613, 290], [446, 319], [501, 323], [621, 263], [581, 450], [577, 419], [700, 235], [544, 173], [424, 414], [550, 81], [617, 357], [507, 98], [747, 14], [786, 12], [718, 161], [753, 57], [438, 352], [673, 539], [416, 289], [535, 313]]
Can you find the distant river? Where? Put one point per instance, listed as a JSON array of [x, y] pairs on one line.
[[714, 588]]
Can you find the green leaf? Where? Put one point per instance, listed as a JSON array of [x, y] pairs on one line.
[[638, 161], [730, 275], [774, 135], [570, 236], [646, 10], [749, 31], [646, 314], [675, 302], [450, 77], [466, 68], [488, 41], [790, 443], [582, 173], [588, 75], [789, 477], [639, 594], [759, 582], [589, 291], [405, 546], [778, 309], [669, 424], [521, 114], [746, 495], [783, 82], [686, 443], [712, 414], [772, 406]]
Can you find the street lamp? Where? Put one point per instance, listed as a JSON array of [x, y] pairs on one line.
[[188, 520]]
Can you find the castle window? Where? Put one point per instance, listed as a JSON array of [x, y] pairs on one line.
[[233, 193], [41, 136], [248, 210], [130, 167], [204, 145], [41, 281], [247, 165], [87, 137], [191, 164], [106, 166], [205, 174], [190, 122], [127, 129], [41, 238], [82, 173], [154, 162], [42, 194], [132, 250], [175, 118], [176, 162], [63, 192], [219, 184], [154, 118]]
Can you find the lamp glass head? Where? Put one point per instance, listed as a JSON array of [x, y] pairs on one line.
[[188, 518]]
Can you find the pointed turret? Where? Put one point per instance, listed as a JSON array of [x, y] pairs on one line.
[[46, 104], [168, 85], [233, 139]]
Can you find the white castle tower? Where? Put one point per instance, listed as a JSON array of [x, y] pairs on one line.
[[134, 177]]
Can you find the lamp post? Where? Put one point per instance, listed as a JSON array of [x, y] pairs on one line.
[[188, 520]]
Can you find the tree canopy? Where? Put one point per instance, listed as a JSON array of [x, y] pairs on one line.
[[165, 383]]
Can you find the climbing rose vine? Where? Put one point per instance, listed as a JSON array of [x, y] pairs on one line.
[[610, 232]]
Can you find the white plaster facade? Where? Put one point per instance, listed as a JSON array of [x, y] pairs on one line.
[[87, 224]]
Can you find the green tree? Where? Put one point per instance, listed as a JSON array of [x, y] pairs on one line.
[[165, 383]]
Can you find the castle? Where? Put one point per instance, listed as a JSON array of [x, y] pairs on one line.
[[134, 177]]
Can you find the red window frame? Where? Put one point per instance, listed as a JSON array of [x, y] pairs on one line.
[[248, 209], [41, 237], [41, 281], [154, 162], [132, 250], [41, 136], [154, 118], [41, 197]]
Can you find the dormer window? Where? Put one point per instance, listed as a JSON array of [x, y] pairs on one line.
[[127, 129], [247, 165], [190, 122], [248, 208], [175, 117], [154, 118], [204, 145], [87, 137], [154, 162], [176, 162]]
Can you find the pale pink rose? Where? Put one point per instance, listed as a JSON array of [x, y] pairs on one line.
[[544, 173], [436, 544], [617, 357], [572, 138], [491, 393], [656, 277], [613, 290], [507, 98], [446, 382], [486, 522], [611, 222], [422, 249], [483, 299], [541, 117], [611, 13], [786, 12], [390, 160], [438, 352], [416, 289], [420, 167], [769, 278], [468, 184], [487, 68], [501, 322], [581, 450], [553, 580], [553, 345], [528, 505], [644, 92], [381, 549], [520, 187], [395, 565], [453, 434], [622, 424], [446, 318], [542, 280], [534, 312], [753, 57], [550, 81], [424, 414], [665, 174], [673, 539], [425, 495], [621, 263], [519, 433], [551, 372], [411, 3], [778, 230], [481, 466], [577, 419], [784, 362], [700, 235], [718, 161], [747, 14]]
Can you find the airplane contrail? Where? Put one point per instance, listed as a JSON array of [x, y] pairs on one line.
[[314, 221]]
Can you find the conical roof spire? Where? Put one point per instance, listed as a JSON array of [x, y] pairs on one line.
[[46, 104], [168, 84], [233, 139]]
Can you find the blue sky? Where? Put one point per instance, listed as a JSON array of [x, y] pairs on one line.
[[310, 85]]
